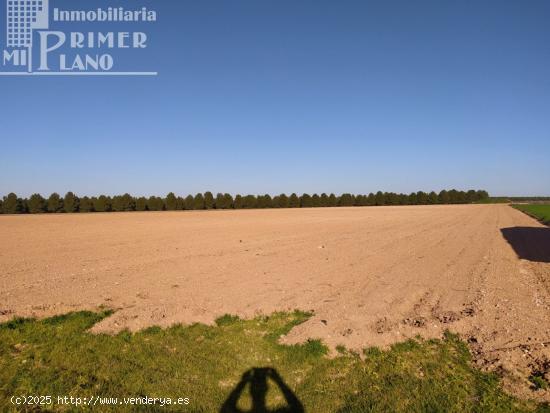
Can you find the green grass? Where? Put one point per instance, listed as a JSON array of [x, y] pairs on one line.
[[494, 200], [538, 211], [58, 357]]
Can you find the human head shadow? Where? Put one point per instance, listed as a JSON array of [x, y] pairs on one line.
[[529, 243], [257, 381]]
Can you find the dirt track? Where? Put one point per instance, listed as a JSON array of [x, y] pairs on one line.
[[373, 276]]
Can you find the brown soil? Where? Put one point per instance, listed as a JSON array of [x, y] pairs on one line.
[[372, 276]]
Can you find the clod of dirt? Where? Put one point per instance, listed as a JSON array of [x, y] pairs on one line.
[[347, 332], [415, 321], [448, 317], [383, 325], [468, 312]]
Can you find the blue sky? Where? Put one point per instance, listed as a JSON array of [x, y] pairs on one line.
[[296, 96]]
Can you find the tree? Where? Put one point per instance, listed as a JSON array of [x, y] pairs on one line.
[[71, 202], [283, 201], [123, 203], [250, 202], [199, 202], [421, 198], [13, 204], [471, 196], [453, 196], [305, 201], [371, 199], [460, 197], [171, 202], [223, 201], [228, 201], [346, 200], [315, 201], [54, 203], [293, 201], [238, 202], [432, 198], [86, 205], [443, 197], [141, 204], [208, 200], [24, 205], [264, 201], [180, 203], [379, 198], [219, 203], [481, 195], [103, 204], [117, 204], [36, 204], [189, 203], [360, 200], [391, 198], [155, 203], [129, 202]]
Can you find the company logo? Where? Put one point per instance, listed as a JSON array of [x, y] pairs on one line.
[[39, 43]]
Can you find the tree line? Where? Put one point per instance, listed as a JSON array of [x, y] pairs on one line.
[[70, 203]]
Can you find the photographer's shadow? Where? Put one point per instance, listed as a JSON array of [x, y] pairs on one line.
[[529, 243], [257, 380]]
